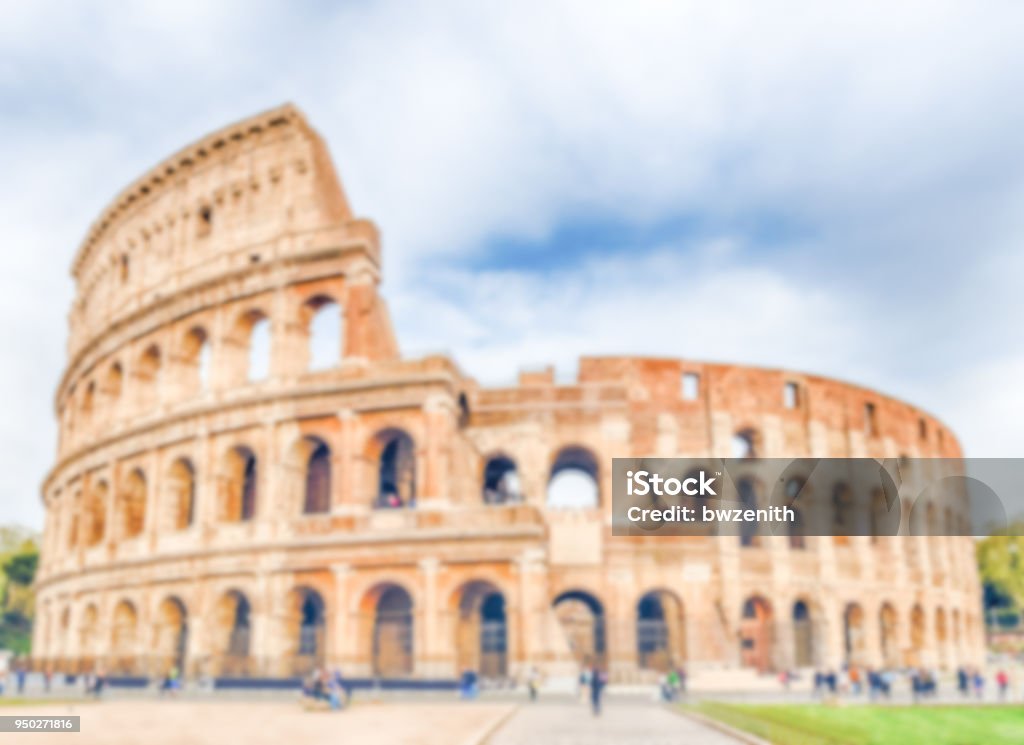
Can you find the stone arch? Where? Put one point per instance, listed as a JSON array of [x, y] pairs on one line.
[[170, 642], [501, 480], [323, 321], [757, 634], [917, 634], [89, 401], [195, 358], [842, 513], [888, 623], [233, 629], [179, 507], [942, 635], [389, 606], [74, 507], [745, 443], [88, 634], [481, 630], [797, 496], [148, 373], [307, 624], [803, 634], [749, 493], [574, 479], [581, 616], [240, 485], [854, 639], [394, 453], [248, 346], [113, 382], [315, 456], [124, 638], [660, 631], [132, 505], [95, 517]]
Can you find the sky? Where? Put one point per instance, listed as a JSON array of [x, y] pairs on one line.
[[827, 187]]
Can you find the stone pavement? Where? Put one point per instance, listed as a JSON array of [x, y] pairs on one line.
[[154, 722], [621, 723]]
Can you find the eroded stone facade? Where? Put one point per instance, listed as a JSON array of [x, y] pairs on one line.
[[227, 500]]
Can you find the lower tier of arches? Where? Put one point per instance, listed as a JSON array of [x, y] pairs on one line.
[[439, 620]]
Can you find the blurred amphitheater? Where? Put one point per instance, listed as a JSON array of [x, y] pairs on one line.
[[252, 481]]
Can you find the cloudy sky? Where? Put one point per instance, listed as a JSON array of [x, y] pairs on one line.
[[801, 185]]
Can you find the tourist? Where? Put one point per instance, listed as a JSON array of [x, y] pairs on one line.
[[533, 682], [1003, 681], [597, 684], [99, 682], [962, 681], [855, 680], [20, 673], [468, 685], [672, 684], [337, 691], [979, 684]]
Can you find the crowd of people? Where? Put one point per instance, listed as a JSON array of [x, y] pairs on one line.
[[879, 683]]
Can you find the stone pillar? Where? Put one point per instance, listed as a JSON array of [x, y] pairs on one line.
[[531, 606], [340, 622], [428, 647]]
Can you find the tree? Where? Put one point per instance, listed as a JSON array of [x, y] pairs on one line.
[[19, 559], [1001, 564]]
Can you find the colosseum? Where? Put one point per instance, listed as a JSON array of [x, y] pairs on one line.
[[251, 480]]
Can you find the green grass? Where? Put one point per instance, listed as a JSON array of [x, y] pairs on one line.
[[8, 700], [820, 724]]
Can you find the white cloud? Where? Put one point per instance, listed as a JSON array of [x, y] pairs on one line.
[[883, 138]]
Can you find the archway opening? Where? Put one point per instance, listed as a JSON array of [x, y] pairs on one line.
[[756, 634], [133, 505], [573, 482], [396, 470], [581, 617], [917, 635], [748, 495], [501, 481], [317, 495], [123, 646], [181, 488], [803, 635], [171, 634], [325, 331], [393, 633], [234, 625], [241, 487], [96, 514], [887, 622], [660, 642], [481, 639], [309, 621], [854, 642]]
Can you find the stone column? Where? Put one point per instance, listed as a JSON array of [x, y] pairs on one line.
[[340, 623], [428, 646]]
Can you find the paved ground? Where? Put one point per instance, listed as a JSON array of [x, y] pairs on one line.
[[621, 723], [265, 723]]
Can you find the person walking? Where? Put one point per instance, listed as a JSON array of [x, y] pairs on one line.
[[1003, 681], [597, 684], [20, 673], [533, 682], [962, 681], [979, 684]]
